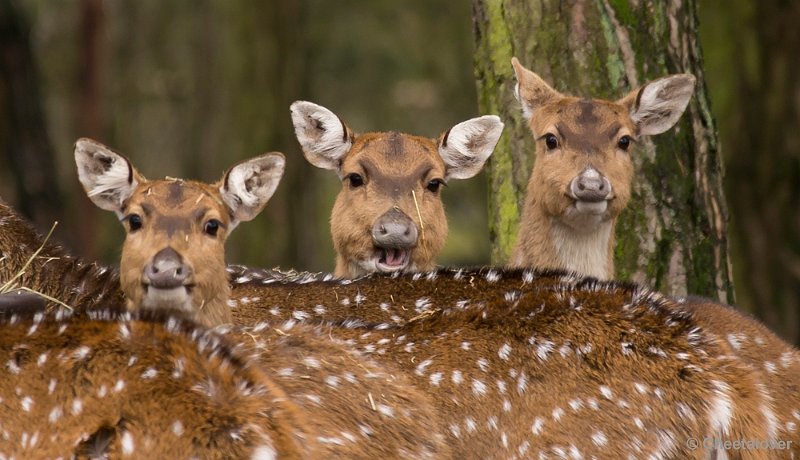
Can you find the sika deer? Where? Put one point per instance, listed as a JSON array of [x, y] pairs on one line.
[[113, 385], [176, 230], [533, 364], [51, 271], [582, 174], [389, 215], [513, 362]]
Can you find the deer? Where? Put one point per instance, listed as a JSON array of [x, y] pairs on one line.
[[176, 229], [513, 362], [388, 215], [29, 261], [582, 173], [156, 384], [539, 364]]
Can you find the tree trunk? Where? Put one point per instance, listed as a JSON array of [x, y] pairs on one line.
[[673, 236], [26, 151]]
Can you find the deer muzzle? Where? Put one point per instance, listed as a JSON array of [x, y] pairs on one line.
[[394, 235], [166, 270], [591, 191]]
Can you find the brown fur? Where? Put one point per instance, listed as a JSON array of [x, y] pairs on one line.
[[177, 390], [174, 250], [393, 166], [666, 377], [53, 272], [171, 219], [512, 363], [547, 198], [389, 216], [557, 229]]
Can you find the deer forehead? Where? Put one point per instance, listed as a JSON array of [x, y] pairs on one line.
[[173, 205], [583, 124], [394, 156]]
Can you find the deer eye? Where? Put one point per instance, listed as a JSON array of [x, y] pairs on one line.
[[134, 222], [355, 180], [212, 227], [434, 185], [551, 141], [624, 142]]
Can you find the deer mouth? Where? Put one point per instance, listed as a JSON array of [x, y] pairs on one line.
[[591, 207], [392, 259], [174, 297]]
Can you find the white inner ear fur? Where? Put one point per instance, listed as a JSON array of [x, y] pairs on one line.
[[527, 111], [469, 144], [321, 134], [250, 184], [104, 175], [662, 103]]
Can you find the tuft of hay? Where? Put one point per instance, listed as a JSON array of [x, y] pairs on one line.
[[11, 285]]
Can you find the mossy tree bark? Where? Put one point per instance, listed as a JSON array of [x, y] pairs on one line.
[[673, 236]]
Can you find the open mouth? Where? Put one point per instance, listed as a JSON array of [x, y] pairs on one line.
[[392, 259]]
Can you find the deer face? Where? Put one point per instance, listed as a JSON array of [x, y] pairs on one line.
[[389, 215], [583, 169], [173, 255], [583, 160]]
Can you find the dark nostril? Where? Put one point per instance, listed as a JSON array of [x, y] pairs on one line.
[[581, 186]]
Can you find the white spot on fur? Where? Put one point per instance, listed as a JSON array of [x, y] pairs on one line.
[[457, 377], [264, 452], [26, 403], [55, 414], [421, 367], [557, 413], [606, 392], [478, 387], [177, 428], [127, 443], [77, 406], [150, 373], [536, 428], [504, 352], [599, 438], [735, 340], [385, 410], [436, 377], [721, 408]]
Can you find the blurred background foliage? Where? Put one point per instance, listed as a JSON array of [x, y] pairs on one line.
[[188, 87]]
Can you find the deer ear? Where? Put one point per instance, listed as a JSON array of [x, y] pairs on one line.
[[108, 178], [248, 185], [467, 145], [531, 91], [657, 106], [324, 137]]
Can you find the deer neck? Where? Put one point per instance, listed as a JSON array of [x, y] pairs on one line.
[[548, 242]]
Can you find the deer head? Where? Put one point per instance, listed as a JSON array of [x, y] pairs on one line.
[[173, 255], [582, 174], [389, 216]]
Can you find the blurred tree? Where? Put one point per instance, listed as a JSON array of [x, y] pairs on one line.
[[26, 150], [759, 101], [673, 235]]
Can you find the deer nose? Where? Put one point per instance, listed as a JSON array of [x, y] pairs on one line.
[[394, 229], [590, 186], [167, 270]]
